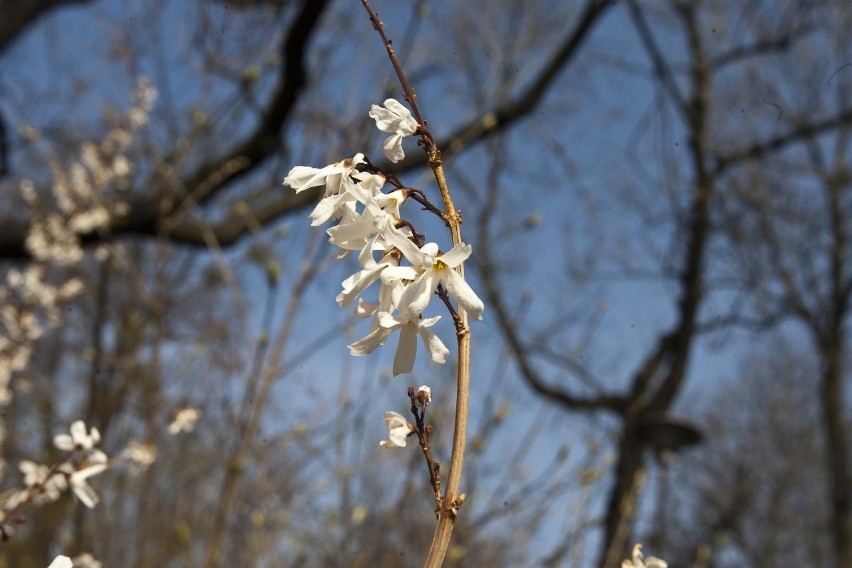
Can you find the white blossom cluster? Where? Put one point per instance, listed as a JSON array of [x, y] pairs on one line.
[[31, 298], [368, 222], [45, 484], [78, 203]]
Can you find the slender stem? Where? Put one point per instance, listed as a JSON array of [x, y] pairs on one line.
[[452, 498], [447, 513]]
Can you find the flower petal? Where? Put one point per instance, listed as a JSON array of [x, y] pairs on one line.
[[61, 562], [418, 294], [301, 178], [357, 283], [392, 147], [437, 350], [369, 343], [463, 293], [456, 255], [406, 350]]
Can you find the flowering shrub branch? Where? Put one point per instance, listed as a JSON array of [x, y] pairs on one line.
[[45, 484], [85, 196], [410, 271]]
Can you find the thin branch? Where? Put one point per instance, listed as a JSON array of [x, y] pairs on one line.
[[758, 48], [661, 66], [798, 134]]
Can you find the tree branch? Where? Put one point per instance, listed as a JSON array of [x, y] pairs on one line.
[[799, 133]]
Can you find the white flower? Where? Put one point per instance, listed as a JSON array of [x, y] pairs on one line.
[[184, 420], [12, 500], [398, 430], [81, 488], [34, 473], [340, 202], [357, 231], [50, 487], [61, 562], [79, 440], [392, 276], [140, 454], [434, 268], [638, 561], [86, 561], [332, 176], [391, 202], [406, 349], [409, 329], [397, 119], [358, 282]]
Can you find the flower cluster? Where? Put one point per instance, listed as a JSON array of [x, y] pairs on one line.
[[84, 197], [44, 484], [369, 223], [639, 561]]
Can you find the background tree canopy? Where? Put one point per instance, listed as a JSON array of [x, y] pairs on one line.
[[659, 198]]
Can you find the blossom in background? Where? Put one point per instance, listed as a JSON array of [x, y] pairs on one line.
[[61, 562], [140, 454], [397, 119], [86, 561], [79, 440], [184, 420], [398, 430], [80, 486], [639, 561], [50, 487]]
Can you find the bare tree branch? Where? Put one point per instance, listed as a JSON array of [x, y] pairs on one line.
[[798, 134]]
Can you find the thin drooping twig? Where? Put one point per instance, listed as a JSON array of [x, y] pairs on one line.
[[419, 402], [452, 499]]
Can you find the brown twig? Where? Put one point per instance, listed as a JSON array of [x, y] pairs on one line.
[[419, 402]]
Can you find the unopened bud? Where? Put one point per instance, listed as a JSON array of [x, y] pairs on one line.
[[424, 395]]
